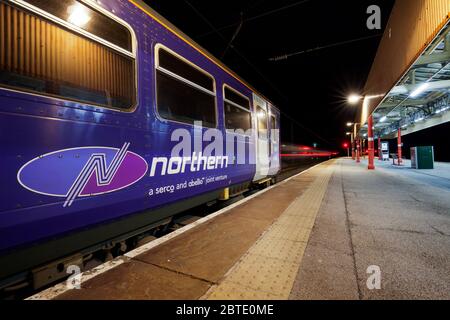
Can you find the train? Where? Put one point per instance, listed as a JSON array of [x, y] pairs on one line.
[[297, 157], [293, 152], [96, 97]]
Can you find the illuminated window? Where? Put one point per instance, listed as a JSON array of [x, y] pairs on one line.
[[88, 19], [42, 55], [262, 122]]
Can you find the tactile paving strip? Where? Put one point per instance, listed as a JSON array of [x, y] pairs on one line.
[[267, 271]]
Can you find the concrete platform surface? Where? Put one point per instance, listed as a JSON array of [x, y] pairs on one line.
[[397, 219], [337, 231]]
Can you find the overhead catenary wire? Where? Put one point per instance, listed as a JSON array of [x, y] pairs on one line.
[[261, 74], [262, 15], [336, 44], [238, 29]]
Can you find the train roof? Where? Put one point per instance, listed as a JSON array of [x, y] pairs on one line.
[[155, 15]]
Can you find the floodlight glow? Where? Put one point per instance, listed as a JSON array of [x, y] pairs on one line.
[[354, 98], [349, 124], [78, 15], [419, 90], [383, 119], [348, 133]]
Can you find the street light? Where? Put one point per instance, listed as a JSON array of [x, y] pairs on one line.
[[354, 98]]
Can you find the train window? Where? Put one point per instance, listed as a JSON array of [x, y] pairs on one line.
[[237, 118], [82, 16], [237, 111], [41, 56], [262, 122], [236, 98], [184, 93], [273, 127], [173, 64]]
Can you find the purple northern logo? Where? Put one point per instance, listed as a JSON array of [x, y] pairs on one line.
[[82, 172]]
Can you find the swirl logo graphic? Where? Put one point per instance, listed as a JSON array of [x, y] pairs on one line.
[[82, 172]]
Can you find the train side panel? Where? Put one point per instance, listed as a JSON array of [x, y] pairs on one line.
[[47, 190]]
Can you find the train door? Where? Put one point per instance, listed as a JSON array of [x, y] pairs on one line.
[[262, 138]]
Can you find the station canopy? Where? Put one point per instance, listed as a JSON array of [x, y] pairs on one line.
[[421, 99]]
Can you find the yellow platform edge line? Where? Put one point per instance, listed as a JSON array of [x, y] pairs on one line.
[[269, 268]]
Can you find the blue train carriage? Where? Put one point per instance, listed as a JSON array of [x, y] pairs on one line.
[[91, 94]]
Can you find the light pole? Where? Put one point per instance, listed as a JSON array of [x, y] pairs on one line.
[[355, 141], [355, 99], [371, 144], [399, 146], [352, 139], [358, 151], [351, 145]]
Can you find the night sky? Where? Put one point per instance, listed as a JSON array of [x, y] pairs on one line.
[[309, 88]]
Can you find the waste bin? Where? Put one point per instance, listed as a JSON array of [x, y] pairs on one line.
[[422, 158]]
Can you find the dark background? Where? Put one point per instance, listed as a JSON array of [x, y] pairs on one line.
[[309, 88], [437, 136]]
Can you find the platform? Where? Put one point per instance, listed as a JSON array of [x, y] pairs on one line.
[[311, 237]]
